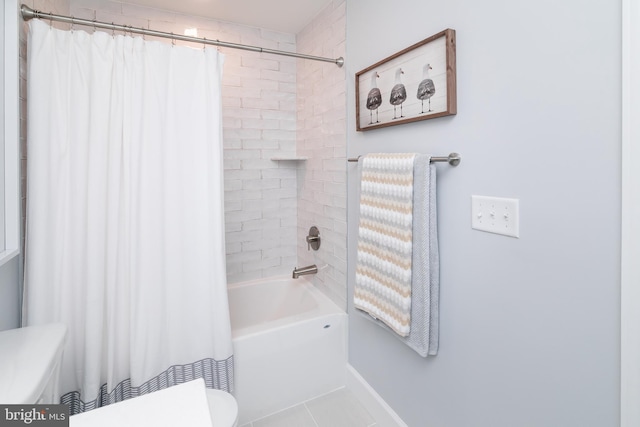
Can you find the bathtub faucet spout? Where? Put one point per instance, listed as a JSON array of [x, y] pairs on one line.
[[302, 271]]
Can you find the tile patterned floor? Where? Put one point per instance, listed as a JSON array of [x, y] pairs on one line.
[[337, 409]]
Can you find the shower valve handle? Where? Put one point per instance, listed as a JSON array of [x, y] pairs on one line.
[[313, 239]]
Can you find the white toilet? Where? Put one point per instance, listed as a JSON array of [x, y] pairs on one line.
[[223, 408], [30, 364]]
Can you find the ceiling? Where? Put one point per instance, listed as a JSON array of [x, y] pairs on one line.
[[288, 16]]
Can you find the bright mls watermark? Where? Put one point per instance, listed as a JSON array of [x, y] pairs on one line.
[[34, 415]]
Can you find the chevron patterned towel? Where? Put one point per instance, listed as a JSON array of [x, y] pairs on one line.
[[383, 270]]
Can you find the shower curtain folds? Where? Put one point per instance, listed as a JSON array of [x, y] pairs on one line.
[[125, 225]]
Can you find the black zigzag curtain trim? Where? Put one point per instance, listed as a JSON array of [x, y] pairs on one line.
[[216, 374]]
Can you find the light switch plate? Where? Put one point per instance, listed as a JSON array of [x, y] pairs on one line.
[[495, 215]]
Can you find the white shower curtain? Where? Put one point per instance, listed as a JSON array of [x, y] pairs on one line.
[[125, 225]]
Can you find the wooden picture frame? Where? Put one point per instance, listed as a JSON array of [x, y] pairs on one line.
[[417, 83]]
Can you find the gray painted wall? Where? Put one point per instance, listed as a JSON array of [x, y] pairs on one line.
[[529, 327], [10, 295], [10, 272]]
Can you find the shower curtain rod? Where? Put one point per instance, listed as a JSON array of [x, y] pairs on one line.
[[29, 13]]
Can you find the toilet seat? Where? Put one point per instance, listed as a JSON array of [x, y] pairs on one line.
[[223, 408]]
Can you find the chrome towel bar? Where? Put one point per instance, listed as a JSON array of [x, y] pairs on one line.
[[453, 159]]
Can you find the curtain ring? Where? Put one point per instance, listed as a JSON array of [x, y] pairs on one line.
[[204, 43], [72, 24], [50, 20], [173, 41], [95, 18], [113, 30]]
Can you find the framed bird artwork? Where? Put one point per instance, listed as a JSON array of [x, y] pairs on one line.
[[417, 83]]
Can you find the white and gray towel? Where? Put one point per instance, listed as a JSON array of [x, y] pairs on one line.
[[383, 270], [425, 279]]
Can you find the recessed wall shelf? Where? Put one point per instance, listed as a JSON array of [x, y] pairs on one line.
[[289, 158]]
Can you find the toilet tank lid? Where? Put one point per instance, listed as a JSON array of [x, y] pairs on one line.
[[28, 357]]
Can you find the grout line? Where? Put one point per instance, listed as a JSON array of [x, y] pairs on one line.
[[311, 414], [325, 394]]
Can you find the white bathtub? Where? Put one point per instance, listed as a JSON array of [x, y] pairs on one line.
[[289, 345]]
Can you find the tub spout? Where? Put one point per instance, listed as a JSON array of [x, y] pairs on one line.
[[302, 271]]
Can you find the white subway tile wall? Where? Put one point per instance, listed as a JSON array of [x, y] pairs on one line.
[[272, 106], [322, 189]]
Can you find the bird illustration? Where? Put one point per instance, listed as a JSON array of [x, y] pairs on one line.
[[398, 93], [374, 98], [426, 89]]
